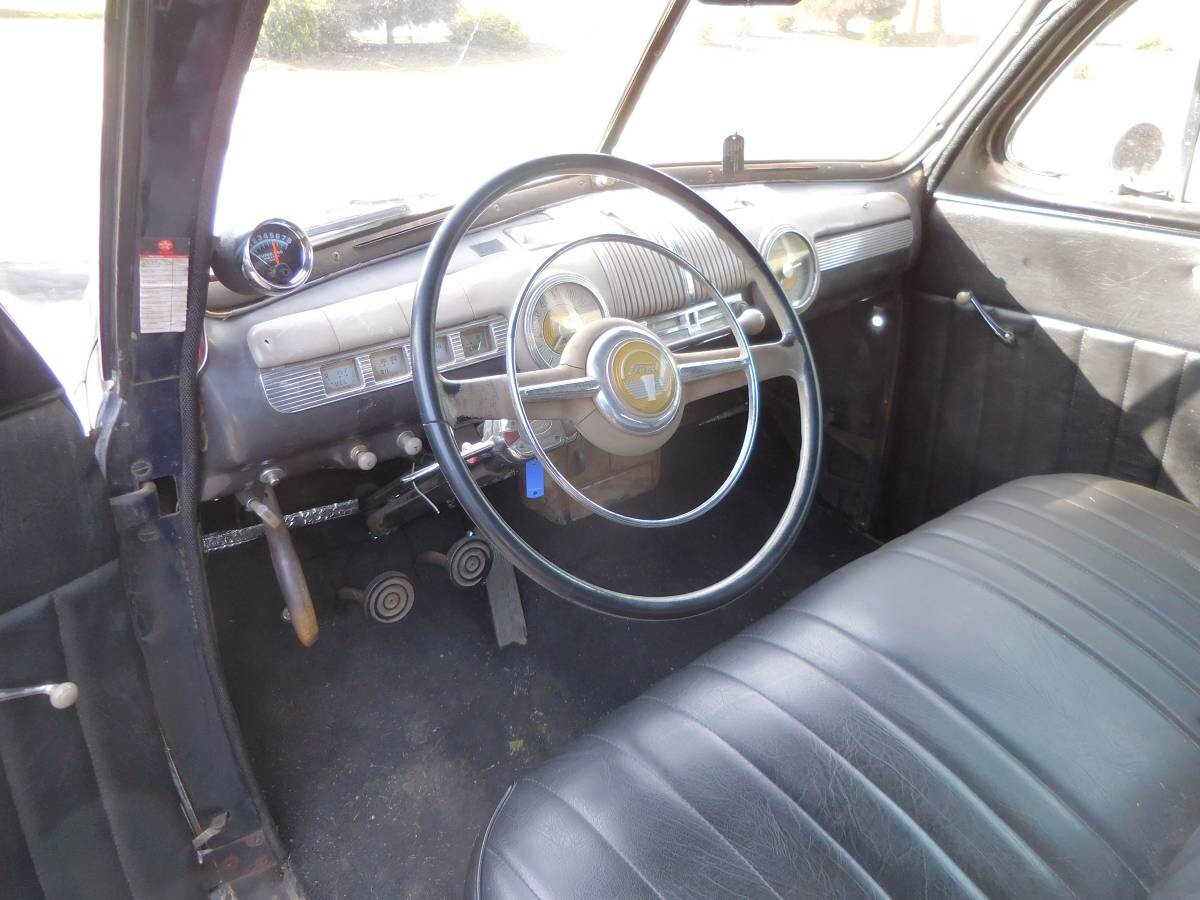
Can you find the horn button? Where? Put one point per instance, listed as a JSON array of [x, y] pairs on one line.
[[639, 382]]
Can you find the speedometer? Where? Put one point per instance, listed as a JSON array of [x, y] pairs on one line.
[[560, 306]]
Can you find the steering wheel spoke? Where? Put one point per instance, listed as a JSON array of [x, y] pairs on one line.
[[693, 370], [566, 389], [705, 373], [563, 392]]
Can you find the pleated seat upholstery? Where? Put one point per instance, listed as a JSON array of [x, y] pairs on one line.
[[1005, 702]]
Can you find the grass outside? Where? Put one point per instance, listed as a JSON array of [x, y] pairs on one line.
[[374, 56], [52, 9]]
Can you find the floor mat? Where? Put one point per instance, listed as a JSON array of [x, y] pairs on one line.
[[382, 750]]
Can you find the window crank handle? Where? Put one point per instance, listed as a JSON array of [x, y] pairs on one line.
[[62, 696], [967, 299]]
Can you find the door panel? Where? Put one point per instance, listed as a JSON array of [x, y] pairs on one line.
[[1104, 377], [87, 805], [1134, 280]]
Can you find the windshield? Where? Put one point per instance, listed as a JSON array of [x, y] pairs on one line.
[[824, 79], [344, 113]]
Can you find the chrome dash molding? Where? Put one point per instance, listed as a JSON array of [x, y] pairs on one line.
[[300, 386], [865, 243], [700, 321]]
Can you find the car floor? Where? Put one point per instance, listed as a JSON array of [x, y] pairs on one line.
[[383, 749]]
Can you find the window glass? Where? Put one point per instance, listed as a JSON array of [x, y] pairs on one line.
[[1114, 121], [354, 108], [1192, 193], [824, 79], [51, 67]]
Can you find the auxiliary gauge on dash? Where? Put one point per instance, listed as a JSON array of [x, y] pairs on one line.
[[275, 257]]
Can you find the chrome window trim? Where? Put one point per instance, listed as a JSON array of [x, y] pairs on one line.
[[1098, 219]]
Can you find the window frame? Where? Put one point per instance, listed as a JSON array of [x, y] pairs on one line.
[[1020, 28], [1191, 128], [978, 170]]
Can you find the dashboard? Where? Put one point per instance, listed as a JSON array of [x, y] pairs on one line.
[[323, 371]]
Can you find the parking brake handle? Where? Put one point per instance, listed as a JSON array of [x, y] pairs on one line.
[[286, 562]]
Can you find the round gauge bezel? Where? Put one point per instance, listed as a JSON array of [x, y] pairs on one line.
[[298, 277], [765, 249], [536, 297]]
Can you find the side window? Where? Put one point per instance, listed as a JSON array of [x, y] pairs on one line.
[[1121, 117], [51, 67]]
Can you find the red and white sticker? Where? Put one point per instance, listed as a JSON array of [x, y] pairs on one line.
[[163, 276]]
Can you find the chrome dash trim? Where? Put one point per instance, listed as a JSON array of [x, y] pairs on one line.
[[863, 244], [299, 386], [698, 322]]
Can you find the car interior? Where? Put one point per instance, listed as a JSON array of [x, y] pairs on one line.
[[729, 529]]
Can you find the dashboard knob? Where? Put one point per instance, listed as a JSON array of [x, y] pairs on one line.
[[409, 444], [752, 321], [363, 457], [271, 476]]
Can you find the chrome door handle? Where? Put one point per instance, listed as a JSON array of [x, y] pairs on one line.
[[967, 299], [62, 696]]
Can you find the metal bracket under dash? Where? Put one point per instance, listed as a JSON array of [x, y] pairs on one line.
[[223, 540]]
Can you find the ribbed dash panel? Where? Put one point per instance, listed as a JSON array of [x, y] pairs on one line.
[[646, 283], [300, 386], [643, 283], [867, 243]]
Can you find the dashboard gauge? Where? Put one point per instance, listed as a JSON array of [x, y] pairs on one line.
[[340, 376], [793, 262], [277, 256], [389, 364], [560, 306], [477, 341]]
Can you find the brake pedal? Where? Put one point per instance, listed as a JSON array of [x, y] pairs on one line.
[[466, 563], [387, 599]]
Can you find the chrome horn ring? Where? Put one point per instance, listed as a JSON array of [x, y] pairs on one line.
[[654, 421]]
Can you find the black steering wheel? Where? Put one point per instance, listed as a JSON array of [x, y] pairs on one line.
[[619, 385]]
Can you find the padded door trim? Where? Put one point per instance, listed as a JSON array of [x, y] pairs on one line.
[[974, 413]]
